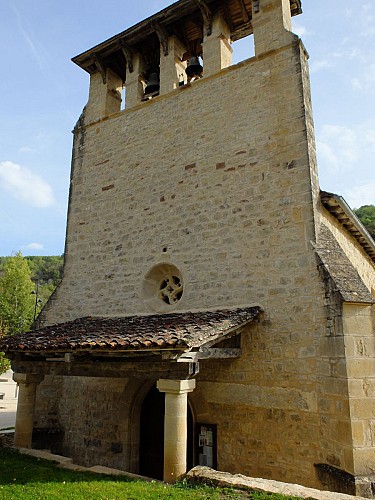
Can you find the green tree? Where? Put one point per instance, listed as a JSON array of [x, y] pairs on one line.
[[366, 214], [46, 270], [46, 273], [4, 363], [16, 299]]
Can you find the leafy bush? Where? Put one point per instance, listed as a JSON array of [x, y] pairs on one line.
[[366, 214]]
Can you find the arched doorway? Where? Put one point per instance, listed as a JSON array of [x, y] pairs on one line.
[[151, 444]]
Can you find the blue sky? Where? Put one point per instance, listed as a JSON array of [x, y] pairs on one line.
[[43, 93]]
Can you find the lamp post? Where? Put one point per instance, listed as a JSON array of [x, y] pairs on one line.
[[38, 300]]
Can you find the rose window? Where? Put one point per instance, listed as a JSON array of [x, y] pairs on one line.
[[170, 290]]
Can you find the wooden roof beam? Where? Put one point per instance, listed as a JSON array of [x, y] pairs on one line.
[[245, 14], [128, 54], [207, 16], [162, 35], [227, 15], [100, 66]]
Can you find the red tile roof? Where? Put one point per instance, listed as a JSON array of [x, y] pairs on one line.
[[182, 331]]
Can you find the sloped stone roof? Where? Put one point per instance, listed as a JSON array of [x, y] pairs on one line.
[[341, 270], [182, 331]]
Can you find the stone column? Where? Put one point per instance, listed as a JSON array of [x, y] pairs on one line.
[[133, 84], [104, 98], [175, 426], [172, 69], [27, 384], [217, 51], [272, 25]]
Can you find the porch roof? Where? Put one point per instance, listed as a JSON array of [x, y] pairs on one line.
[[178, 331]]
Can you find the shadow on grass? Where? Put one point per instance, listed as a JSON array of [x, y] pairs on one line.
[[24, 469]]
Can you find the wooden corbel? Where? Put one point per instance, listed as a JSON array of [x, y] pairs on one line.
[[207, 16], [162, 35], [100, 66], [245, 14], [256, 6], [228, 16], [128, 54]]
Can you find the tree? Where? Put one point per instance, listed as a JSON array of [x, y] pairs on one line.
[[21, 298], [4, 363], [46, 270], [16, 299], [366, 214]]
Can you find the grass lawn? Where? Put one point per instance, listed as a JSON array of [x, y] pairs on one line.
[[23, 477]]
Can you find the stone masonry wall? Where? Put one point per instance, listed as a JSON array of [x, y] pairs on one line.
[[213, 184], [359, 331], [96, 430], [277, 415]]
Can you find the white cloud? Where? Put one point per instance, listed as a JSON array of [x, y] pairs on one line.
[[358, 196], [348, 54], [367, 81], [35, 246], [320, 64], [362, 17], [300, 30], [338, 146], [25, 186], [369, 137], [345, 158], [33, 46], [367, 19], [26, 149], [327, 154]]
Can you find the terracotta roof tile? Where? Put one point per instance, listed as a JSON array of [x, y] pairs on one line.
[[180, 331]]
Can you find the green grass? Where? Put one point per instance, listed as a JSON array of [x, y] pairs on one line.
[[23, 477]]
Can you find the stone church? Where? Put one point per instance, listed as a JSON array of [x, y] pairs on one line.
[[216, 308]]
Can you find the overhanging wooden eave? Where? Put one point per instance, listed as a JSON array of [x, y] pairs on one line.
[[128, 369], [238, 14], [340, 210]]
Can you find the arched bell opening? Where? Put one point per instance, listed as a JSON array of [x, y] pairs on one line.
[[194, 55], [194, 68], [150, 52], [152, 88]]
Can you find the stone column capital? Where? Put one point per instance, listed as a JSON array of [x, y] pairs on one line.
[[28, 378], [176, 386]]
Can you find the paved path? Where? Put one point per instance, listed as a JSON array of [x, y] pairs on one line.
[[8, 405]]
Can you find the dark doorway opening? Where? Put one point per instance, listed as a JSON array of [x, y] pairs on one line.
[[151, 445]]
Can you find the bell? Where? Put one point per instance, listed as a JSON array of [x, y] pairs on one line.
[[153, 84], [194, 67]]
